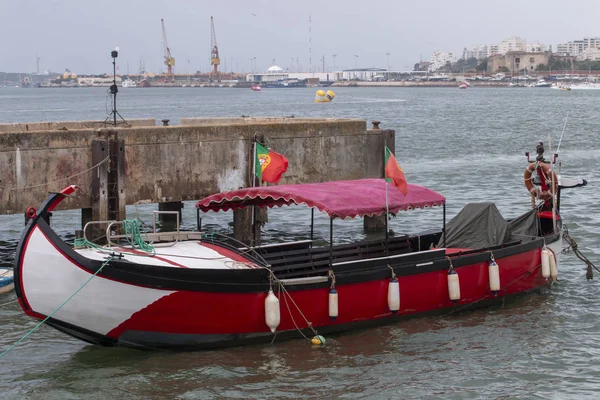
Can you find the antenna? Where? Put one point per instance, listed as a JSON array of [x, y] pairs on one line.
[[310, 42], [113, 90]]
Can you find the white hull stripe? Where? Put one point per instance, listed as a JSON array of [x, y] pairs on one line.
[[49, 278]]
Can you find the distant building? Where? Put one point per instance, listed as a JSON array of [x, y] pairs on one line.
[[536, 47], [517, 61], [478, 52], [97, 80], [592, 54], [276, 73], [512, 44], [439, 59], [578, 48], [483, 52]]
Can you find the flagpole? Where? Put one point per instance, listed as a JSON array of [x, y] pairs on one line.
[[387, 207], [253, 185]]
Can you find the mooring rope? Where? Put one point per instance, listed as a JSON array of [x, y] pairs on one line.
[[59, 180], [8, 302], [589, 274], [287, 295], [110, 258]]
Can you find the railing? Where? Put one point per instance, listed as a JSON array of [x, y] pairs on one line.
[[153, 237]]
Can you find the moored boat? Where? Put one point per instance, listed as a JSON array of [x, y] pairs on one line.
[[185, 290], [7, 281], [543, 83]]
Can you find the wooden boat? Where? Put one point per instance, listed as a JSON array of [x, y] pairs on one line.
[[201, 290]]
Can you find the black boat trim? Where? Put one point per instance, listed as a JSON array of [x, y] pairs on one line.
[[257, 280]]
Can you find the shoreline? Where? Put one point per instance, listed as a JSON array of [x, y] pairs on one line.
[[418, 84]]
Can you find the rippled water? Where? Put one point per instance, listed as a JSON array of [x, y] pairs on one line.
[[467, 144]]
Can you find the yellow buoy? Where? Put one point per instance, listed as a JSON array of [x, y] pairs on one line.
[[329, 95], [318, 340], [320, 96]]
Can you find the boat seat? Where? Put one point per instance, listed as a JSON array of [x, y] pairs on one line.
[[317, 260]]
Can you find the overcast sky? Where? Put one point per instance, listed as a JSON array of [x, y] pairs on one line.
[[79, 34]]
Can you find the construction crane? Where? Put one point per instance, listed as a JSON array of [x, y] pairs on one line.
[[169, 60], [214, 53]]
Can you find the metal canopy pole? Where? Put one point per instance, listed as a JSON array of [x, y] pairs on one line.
[[387, 217], [198, 220], [312, 222], [330, 240], [444, 227]]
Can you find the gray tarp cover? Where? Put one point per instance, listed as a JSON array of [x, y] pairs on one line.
[[480, 225]]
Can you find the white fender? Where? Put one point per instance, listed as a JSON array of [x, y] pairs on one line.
[[394, 295], [333, 303], [453, 285], [272, 313], [494, 272], [545, 263]]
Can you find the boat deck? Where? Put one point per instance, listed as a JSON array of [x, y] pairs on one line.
[[184, 254]]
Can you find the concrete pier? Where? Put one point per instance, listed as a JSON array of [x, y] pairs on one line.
[[145, 163]]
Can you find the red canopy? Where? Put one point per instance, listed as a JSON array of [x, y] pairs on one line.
[[339, 199]]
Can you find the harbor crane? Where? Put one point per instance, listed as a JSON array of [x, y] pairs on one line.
[[214, 53], [169, 60]]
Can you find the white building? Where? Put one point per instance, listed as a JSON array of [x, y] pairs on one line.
[[579, 48], [439, 59], [591, 53], [276, 73], [536, 47], [478, 52], [512, 44]]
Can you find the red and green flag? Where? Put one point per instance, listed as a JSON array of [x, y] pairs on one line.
[[269, 165], [394, 173]]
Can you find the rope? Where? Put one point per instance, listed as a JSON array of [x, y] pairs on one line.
[[133, 235], [281, 287], [59, 180], [573, 244], [132, 228], [8, 302], [393, 273], [332, 276], [110, 258]]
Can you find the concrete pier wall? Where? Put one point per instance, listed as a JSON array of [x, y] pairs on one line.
[[185, 162], [65, 125]]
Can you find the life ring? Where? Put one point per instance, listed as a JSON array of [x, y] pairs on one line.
[[31, 212], [547, 172]]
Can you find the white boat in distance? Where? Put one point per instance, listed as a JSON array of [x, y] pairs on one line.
[[128, 83], [585, 86], [542, 83]]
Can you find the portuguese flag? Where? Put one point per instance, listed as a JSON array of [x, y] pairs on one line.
[[269, 166], [393, 172]]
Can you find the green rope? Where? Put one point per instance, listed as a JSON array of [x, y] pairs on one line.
[[58, 308], [134, 236]]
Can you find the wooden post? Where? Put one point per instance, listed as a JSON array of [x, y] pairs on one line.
[[108, 191], [388, 137]]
